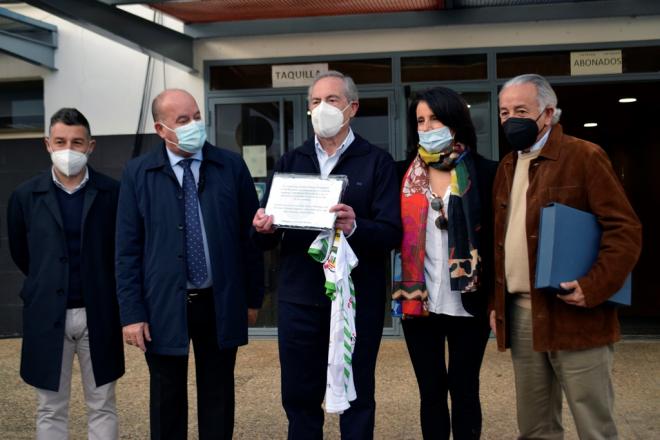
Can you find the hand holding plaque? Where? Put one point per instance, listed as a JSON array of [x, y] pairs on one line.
[[303, 201]]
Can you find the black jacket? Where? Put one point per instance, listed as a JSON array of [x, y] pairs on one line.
[[38, 246], [373, 193]]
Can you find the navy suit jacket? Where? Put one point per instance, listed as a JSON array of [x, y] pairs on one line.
[[373, 193], [150, 258], [38, 246]]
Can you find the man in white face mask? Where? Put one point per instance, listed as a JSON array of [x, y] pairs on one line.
[[369, 217], [70, 303]]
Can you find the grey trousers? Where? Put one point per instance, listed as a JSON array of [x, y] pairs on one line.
[[53, 406], [584, 376]]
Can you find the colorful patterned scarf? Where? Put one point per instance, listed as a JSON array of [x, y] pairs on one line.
[[464, 215]]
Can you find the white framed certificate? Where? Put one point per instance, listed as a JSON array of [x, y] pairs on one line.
[[303, 201]]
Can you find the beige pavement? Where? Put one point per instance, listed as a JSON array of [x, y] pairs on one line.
[[259, 414]]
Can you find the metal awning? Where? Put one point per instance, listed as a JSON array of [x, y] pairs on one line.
[[133, 31], [31, 40]]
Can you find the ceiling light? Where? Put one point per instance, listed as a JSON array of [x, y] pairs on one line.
[[591, 124], [627, 100], [469, 106]]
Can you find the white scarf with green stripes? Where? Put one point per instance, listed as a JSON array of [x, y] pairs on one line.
[[332, 249]]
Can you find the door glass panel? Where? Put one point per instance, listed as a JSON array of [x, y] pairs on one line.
[[372, 122], [479, 105], [259, 123]]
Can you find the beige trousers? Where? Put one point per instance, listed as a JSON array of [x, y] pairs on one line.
[[584, 376], [53, 406]]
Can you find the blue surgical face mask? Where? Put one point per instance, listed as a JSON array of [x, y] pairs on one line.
[[192, 136], [435, 141]]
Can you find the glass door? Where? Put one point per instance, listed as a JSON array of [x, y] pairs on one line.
[[374, 121], [483, 111], [262, 129]]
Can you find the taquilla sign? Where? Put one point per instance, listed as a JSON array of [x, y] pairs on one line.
[[296, 75]]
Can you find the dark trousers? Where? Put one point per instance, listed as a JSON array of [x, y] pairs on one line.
[[303, 335], [214, 369], [466, 339]]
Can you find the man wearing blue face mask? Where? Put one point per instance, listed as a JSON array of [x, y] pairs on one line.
[[186, 269], [369, 218]]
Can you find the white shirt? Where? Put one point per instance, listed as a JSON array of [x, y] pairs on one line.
[[539, 144], [178, 172], [442, 300], [328, 162], [80, 186]]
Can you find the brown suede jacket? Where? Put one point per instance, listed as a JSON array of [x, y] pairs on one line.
[[576, 173]]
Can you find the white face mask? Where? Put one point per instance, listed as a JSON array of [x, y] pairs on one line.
[[68, 162], [327, 119]]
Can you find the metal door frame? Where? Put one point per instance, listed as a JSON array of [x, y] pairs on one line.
[[300, 121]]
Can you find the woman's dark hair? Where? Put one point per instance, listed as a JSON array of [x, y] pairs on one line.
[[70, 116], [449, 108]]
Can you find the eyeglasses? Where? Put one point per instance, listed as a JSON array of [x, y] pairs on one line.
[[441, 222]]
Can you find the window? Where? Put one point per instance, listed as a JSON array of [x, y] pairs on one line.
[[541, 63], [558, 63], [21, 106], [443, 68], [258, 76]]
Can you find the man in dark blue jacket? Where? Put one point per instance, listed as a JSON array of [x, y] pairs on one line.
[[369, 216], [186, 268], [61, 227]]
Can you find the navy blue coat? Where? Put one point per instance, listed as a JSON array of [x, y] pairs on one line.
[[373, 193], [38, 246], [150, 262]]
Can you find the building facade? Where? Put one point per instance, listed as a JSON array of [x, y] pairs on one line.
[[252, 84]]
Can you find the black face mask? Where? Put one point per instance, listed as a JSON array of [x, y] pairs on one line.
[[521, 132]]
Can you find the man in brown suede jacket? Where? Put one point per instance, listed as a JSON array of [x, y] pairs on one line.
[[558, 342]]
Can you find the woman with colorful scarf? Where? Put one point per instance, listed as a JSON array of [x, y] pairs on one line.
[[446, 261]]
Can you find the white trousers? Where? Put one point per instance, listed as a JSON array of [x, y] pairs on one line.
[[53, 406]]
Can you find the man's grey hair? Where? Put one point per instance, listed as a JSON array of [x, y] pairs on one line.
[[545, 95], [350, 89]]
